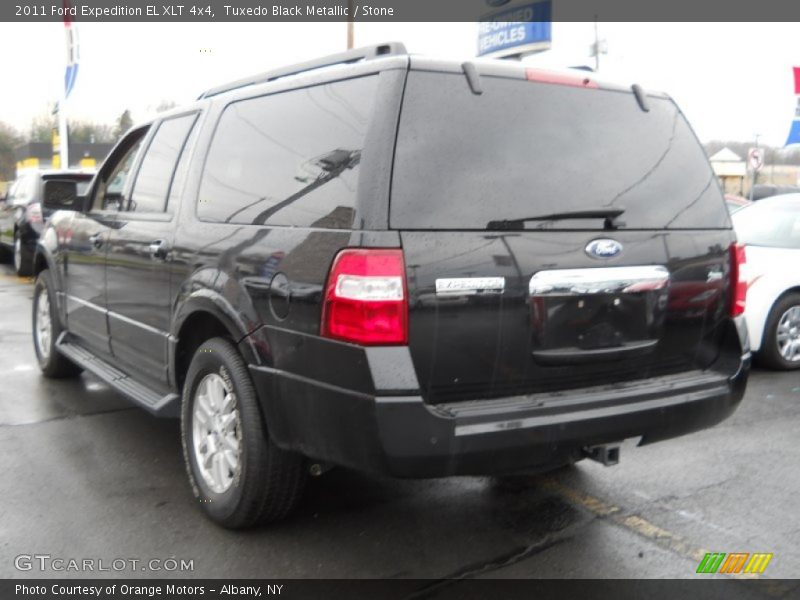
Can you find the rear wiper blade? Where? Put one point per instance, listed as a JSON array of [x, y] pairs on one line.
[[608, 214]]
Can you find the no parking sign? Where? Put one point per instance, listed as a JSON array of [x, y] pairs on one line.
[[755, 158]]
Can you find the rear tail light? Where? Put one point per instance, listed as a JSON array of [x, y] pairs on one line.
[[366, 298], [738, 279], [33, 213]]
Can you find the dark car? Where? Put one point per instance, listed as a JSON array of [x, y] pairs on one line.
[[24, 212], [766, 190], [405, 266]]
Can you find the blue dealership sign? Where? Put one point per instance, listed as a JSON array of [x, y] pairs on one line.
[[516, 30]]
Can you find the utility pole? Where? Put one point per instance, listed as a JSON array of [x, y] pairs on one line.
[[755, 171], [350, 25], [63, 140], [599, 47]]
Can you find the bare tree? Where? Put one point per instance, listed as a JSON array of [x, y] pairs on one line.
[[9, 139], [124, 122]]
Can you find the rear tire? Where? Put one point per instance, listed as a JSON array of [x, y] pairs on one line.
[[780, 348], [46, 330], [238, 475], [23, 258]]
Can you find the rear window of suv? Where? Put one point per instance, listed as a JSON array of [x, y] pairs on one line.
[[523, 149]]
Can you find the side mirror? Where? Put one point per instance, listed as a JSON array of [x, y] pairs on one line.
[[61, 194], [83, 203]]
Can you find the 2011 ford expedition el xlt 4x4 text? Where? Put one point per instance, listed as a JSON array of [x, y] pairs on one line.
[[401, 265]]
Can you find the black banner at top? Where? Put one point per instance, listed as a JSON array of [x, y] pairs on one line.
[[393, 10]]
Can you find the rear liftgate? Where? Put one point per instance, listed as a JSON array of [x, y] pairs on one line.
[[590, 315]]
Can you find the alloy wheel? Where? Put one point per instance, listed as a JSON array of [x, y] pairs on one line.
[[216, 433], [17, 254], [788, 334], [44, 325]]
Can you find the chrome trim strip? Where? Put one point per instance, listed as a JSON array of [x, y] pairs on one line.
[[604, 280], [469, 285], [136, 323], [116, 315], [86, 303]]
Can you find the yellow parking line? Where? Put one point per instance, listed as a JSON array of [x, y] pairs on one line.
[[16, 278], [635, 523], [593, 504], [644, 528]]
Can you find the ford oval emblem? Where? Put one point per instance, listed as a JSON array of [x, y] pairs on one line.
[[603, 248]]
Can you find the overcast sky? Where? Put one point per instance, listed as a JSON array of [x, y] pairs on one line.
[[732, 80]]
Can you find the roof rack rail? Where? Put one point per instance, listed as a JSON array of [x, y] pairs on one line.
[[350, 56]]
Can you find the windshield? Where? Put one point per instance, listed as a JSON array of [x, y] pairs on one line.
[[23, 190], [524, 149]]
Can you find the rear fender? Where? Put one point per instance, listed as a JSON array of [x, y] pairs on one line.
[[210, 301]]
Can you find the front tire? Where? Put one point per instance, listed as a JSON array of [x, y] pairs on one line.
[[46, 330], [781, 346], [23, 258], [238, 475]]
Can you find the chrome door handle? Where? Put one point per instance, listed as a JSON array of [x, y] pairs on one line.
[[158, 250], [96, 240]]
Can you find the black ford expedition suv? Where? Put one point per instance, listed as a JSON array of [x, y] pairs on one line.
[[401, 265]]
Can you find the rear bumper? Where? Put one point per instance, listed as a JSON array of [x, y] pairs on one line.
[[403, 436]]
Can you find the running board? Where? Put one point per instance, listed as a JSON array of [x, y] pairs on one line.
[[155, 403]]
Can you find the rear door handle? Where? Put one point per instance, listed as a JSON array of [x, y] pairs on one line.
[[158, 250], [96, 240]]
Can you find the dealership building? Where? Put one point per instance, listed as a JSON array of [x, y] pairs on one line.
[[40, 155]]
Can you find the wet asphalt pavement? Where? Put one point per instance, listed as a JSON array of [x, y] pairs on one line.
[[85, 475]]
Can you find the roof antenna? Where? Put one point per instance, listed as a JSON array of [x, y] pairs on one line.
[[473, 78]]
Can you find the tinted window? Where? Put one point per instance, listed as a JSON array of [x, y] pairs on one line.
[[523, 149], [155, 175], [81, 181], [114, 173], [181, 171], [116, 183], [774, 223], [289, 159]]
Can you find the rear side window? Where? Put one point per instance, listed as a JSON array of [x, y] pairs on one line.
[[291, 158], [524, 149], [155, 174]]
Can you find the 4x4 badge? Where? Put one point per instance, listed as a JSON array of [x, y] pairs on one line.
[[603, 248]]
